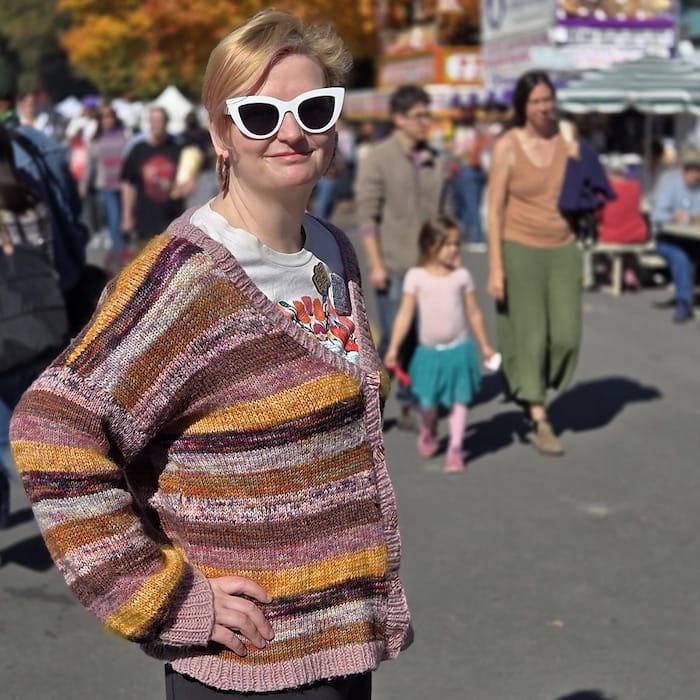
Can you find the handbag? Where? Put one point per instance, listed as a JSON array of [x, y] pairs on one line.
[[33, 319], [585, 226]]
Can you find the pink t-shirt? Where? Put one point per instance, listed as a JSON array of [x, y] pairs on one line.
[[442, 316]]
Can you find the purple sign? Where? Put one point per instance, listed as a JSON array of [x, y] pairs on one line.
[[610, 14]]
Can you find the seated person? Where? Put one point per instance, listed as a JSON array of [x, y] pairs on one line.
[[621, 220], [677, 199]]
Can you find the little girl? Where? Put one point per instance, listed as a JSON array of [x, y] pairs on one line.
[[444, 370]]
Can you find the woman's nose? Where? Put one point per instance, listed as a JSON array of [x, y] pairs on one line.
[[289, 129]]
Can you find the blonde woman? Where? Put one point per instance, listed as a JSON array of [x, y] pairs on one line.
[[217, 489]]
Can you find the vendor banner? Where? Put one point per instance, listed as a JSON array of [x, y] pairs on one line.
[[629, 29]]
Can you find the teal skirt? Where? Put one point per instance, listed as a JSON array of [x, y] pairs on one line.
[[445, 377]]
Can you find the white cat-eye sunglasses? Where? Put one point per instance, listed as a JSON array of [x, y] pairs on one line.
[[260, 117]]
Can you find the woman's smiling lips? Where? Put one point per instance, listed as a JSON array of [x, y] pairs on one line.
[[291, 156]]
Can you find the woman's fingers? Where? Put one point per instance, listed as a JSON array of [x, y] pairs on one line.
[[245, 617], [237, 585], [495, 286], [496, 291], [236, 614]]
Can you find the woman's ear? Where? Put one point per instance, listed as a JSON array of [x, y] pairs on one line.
[[219, 147]]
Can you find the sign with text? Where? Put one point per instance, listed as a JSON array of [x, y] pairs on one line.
[[501, 19]]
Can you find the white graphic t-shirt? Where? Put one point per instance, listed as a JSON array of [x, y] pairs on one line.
[[309, 286]]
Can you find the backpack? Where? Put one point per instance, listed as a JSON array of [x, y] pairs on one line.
[[70, 236], [33, 320]]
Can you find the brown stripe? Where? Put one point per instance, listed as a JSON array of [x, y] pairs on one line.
[[347, 591], [271, 350], [49, 407], [100, 580], [272, 534], [41, 486], [272, 482], [196, 320], [290, 434], [79, 532]]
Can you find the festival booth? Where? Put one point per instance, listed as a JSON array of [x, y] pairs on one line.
[[651, 85], [656, 87]]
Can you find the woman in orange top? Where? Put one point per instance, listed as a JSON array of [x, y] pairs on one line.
[[534, 260]]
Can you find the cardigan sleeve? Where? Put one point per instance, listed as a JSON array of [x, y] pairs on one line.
[[75, 435]]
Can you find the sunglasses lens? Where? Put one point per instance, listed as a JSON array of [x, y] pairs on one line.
[[317, 112], [259, 118]]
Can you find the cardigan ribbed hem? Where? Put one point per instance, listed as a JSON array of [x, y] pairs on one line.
[[223, 674]]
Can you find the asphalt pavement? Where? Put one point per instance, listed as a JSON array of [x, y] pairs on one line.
[[528, 577]]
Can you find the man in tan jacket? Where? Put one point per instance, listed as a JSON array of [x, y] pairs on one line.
[[401, 183]]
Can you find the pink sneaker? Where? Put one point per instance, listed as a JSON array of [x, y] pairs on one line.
[[630, 280], [427, 446], [454, 462]]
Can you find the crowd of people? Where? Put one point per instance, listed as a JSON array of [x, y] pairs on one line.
[[133, 177], [205, 456]]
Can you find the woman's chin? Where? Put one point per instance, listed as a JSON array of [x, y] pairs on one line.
[[296, 178]]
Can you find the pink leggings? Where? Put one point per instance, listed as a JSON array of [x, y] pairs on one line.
[[457, 422]]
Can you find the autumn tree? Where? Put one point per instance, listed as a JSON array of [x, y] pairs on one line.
[[133, 48], [29, 37]]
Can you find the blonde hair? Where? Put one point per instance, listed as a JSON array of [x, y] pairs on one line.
[[241, 61]]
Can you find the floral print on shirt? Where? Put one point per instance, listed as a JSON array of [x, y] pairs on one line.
[[321, 319]]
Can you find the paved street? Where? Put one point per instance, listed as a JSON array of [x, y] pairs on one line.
[[529, 577]]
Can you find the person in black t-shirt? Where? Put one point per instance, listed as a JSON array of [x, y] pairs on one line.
[[149, 202]]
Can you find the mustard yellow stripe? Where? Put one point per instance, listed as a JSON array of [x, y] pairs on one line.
[[318, 641], [139, 612], [369, 562], [125, 286], [38, 456], [280, 407]]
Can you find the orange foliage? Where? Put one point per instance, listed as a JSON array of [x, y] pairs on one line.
[[134, 48]]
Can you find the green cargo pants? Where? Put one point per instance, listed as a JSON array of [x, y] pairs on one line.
[[539, 321]]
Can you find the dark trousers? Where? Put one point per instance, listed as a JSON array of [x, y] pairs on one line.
[[357, 687], [388, 302], [468, 190]]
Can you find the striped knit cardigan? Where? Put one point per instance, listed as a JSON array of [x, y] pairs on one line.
[[193, 431]]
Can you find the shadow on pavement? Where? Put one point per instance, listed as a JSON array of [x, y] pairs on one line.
[[20, 517], [496, 433], [587, 695], [30, 553], [586, 406], [492, 385], [594, 404]]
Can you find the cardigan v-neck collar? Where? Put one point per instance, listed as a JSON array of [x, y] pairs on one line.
[[227, 263]]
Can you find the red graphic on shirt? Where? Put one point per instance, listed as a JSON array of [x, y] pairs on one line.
[[158, 175]]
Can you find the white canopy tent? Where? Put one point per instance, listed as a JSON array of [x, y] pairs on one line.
[[651, 85], [177, 106], [69, 107]]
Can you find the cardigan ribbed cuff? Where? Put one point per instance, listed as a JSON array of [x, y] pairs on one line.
[[192, 618]]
